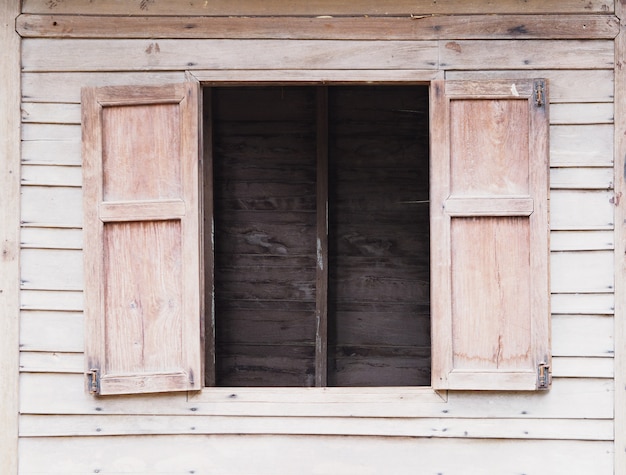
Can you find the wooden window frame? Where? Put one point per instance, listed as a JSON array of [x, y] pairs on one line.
[[317, 401]]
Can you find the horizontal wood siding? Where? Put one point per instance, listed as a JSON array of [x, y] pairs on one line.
[[64, 430]]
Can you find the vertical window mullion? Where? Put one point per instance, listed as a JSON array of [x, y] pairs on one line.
[[321, 304]]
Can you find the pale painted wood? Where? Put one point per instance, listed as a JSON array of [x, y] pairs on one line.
[[415, 27], [582, 335], [52, 132], [46, 152], [51, 331], [108, 425], [52, 269], [581, 240], [582, 304], [51, 238], [490, 327], [33, 112], [37, 362], [620, 245], [581, 272], [581, 145], [581, 210], [332, 455], [51, 175], [9, 234], [59, 207], [318, 7], [141, 168], [51, 300], [65, 87], [581, 178], [575, 113], [512, 54], [168, 54], [568, 398], [583, 367]]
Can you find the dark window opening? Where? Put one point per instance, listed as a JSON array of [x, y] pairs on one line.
[[318, 268]]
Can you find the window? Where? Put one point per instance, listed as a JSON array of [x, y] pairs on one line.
[[488, 231], [321, 235]]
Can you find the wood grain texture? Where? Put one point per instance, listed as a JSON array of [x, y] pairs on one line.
[[417, 27], [432, 427], [490, 303], [317, 7], [342, 455], [142, 289], [9, 235], [193, 54], [620, 242]]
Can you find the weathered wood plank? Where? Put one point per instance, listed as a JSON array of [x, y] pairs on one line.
[[42, 175], [581, 240], [414, 27], [33, 112], [162, 55], [581, 145], [52, 206], [9, 234], [581, 178], [341, 455], [40, 362], [65, 87], [317, 7], [513, 54], [577, 113], [582, 335], [581, 210], [51, 238], [566, 86], [568, 398], [51, 300], [109, 425], [620, 245], [51, 331], [52, 269], [582, 367], [582, 304], [46, 152], [581, 272], [51, 132]]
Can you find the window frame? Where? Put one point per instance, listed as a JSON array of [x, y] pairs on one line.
[[316, 401]]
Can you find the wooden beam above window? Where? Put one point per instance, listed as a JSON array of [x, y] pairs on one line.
[[408, 27]]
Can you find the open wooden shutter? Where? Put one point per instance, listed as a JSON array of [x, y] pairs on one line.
[[143, 303], [489, 235]]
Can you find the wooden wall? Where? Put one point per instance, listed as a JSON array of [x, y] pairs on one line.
[[568, 429]]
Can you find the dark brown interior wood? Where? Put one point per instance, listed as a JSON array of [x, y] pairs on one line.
[[271, 298]]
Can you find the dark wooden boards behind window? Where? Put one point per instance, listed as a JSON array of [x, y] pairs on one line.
[[264, 152]]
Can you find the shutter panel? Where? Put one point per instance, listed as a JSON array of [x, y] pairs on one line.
[[143, 302], [489, 235]]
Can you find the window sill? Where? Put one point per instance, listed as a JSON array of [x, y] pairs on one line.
[[323, 402]]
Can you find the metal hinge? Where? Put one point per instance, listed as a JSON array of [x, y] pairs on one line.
[[543, 376], [539, 94], [93, 381]]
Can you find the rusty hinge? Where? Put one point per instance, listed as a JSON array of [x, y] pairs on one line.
[[93, 381], [543, 376], [539, 94]]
